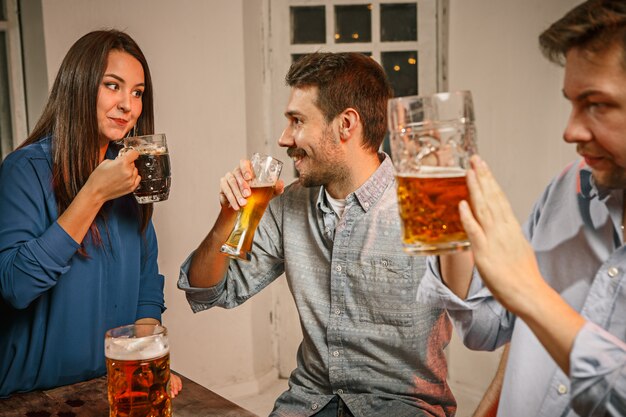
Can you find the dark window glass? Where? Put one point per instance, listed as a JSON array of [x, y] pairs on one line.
[[308, 24], [353, 23], [398, 22], [3, 10], [401, 69]]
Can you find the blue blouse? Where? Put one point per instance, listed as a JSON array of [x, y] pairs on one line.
[[56, 304]]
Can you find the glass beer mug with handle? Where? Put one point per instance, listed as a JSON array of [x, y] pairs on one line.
[[265, 171], [432, 139], [138, 371], [153, 166]]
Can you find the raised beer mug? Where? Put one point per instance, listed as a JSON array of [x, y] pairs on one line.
[[432, 139], [138, 371], [153, 165], [266, 171]]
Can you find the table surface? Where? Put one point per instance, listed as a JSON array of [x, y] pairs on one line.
[[89, 399]]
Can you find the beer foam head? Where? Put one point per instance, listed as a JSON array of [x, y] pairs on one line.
[[136, 348], [151, 149], [436, 172]]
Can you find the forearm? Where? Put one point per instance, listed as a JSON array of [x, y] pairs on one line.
[[488, 406], [208, 264], [456, 271]]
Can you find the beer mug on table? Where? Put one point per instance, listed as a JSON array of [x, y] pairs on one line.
[[265, 171], [138, 371], [432, 139], [153, 165]]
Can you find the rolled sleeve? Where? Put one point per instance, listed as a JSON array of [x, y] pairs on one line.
[[481, 321], [598, 372], [199, 299], [36, 266]]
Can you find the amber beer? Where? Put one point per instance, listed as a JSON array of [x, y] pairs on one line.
[[138, 371], [428, 202], [239, 243]]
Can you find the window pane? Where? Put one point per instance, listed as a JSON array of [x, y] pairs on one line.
[[353, 23], [398, 22], [401, 69], [308, 24], [3, 10], [6, 133]]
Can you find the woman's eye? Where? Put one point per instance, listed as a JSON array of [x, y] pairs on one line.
[[138, 93], [111, 86]]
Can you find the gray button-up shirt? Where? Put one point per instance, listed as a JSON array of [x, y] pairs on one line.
[[575, 229], [366, 338]]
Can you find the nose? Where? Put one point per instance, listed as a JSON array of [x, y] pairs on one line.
[[124, 103], [286, 138], [576, 129]]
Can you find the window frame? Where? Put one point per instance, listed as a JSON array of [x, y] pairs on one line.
[[17, 102], [432, 53]]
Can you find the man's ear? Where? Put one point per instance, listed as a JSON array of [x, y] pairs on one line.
[[349, 119]]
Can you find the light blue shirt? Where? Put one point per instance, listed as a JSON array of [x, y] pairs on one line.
[[366, 338], [575, 229]]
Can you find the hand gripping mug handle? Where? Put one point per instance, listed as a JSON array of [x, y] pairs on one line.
[[123, 150]]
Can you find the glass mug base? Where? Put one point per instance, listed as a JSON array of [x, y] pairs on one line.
[[435, 248], [235, 253], [152, 198]]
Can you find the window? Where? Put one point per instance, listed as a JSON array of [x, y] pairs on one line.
[[403, 36], [12, 110]]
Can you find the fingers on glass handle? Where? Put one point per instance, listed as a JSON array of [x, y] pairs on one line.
[[122, 151]]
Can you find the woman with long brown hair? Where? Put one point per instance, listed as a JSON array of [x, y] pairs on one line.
[[78, 255]]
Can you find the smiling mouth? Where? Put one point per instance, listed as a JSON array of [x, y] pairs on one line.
[[120, 122], [296, 154]]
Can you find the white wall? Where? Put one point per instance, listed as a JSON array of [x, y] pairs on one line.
[[520, 113], [207, 63]]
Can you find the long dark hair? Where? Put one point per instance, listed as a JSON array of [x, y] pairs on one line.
[[70, 116]]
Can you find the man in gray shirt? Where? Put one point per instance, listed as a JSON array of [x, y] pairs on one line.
[[560, 299], [369, 348]]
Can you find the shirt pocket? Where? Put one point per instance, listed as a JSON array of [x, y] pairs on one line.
[[384, 291]]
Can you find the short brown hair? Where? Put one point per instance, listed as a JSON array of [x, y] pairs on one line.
[[594, 25], [346, 80]]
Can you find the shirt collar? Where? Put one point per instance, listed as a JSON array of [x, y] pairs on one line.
[[368, 194], [588, 188]]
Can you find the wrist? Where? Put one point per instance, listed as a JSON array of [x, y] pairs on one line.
[[92, 195]]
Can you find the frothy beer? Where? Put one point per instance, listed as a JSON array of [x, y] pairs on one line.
[[239, 242], [153, 165], [138, 372], [429, 206]]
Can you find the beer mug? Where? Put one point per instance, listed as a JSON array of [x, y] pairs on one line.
[[265, 171], [138, 371], [153, 165], [432, 138]]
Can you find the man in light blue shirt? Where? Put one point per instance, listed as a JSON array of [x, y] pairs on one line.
[[369, 348], [560, 299]]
